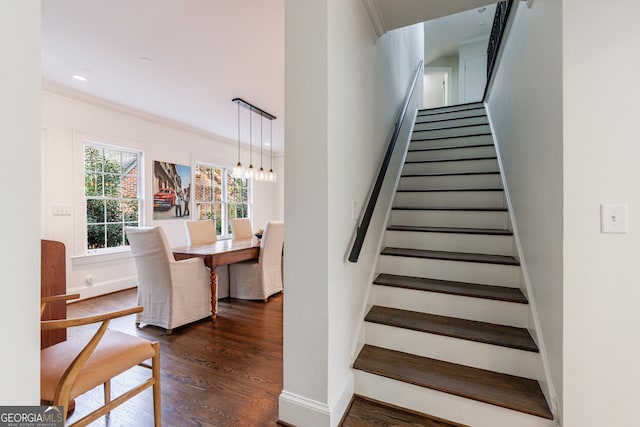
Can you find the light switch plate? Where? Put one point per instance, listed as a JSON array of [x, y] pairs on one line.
[[61, 210], [613, 218]]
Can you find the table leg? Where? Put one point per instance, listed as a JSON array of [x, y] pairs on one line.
[[208, 261]]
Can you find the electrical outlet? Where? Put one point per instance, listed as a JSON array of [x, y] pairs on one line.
[[88, 279], [613, 218]]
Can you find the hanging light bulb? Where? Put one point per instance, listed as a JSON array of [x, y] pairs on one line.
[[261, 175], [238, 169], [271, 176], [251, 172]]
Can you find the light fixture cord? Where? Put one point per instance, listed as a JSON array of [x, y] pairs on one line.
[[250, 138], [261, 144], [271, 142], [238, 132]]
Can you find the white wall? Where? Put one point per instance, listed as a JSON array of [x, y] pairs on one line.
[[525, 107], [20, 226], [601, 152], [67, 120], [344, 89], [453, 62], [472, 68]]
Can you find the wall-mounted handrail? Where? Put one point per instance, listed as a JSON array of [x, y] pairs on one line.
[[375, 193]]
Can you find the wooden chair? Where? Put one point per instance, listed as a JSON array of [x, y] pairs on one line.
[[73, 367]]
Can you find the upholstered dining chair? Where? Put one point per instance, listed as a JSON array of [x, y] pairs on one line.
[[173, 293], [241, 228], [203, 232], [70, 368], [259, 280]]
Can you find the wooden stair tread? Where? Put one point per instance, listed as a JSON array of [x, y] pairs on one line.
[[471, 330], [435, 138], [473, 116], [440, 190], [465, 159], [363, 412], [449, 127], [452, 230], [450, 109], [498, 293], [457, 147], [437, 208], [508, 391], [451, 256], [433, 174]]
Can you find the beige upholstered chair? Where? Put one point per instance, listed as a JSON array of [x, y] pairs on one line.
[[70, 368], [260, 280], [241, 228], [173, 293], [203, 232]]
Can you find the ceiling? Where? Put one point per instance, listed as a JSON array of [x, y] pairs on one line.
[[443, 36], [186, 60], [180, 60]]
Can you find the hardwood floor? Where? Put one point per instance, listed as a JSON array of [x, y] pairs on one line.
[[227, 373]]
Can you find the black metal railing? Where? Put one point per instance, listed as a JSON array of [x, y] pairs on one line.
[[375, 193], [503, 9]]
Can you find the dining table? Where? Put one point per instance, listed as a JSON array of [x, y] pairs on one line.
[[222, 252]]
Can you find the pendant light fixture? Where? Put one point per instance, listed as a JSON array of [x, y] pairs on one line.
[[238, 169], [271, 177], [250, 172], [261, 175]]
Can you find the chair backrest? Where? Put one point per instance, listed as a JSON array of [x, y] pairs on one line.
[[201, 232], [241, 228], [152, 255], [271, 245]]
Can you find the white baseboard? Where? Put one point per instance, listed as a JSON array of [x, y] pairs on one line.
[[303, 412], [104, 287]]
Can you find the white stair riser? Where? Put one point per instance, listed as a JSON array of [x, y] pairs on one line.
[[458, 271], [461, 307], [440, 133], [455, 166], [442, 405], [453, 153], [452, 142], [450, 181], [446, 123], [476, 199], [453, 108], [471, 219], [455, 350], [451, 242]]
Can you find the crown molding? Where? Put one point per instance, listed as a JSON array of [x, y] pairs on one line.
[[375, 16], [65, 92]]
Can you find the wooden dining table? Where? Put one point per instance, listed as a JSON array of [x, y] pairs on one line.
[[219, 253]]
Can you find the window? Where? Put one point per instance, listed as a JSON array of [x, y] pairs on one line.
[[112, 194], [221, 197]]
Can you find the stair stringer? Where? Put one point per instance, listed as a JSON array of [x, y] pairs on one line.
[[404, 138], [546, 384]]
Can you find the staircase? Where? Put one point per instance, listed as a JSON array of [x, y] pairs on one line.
[[446, 334]]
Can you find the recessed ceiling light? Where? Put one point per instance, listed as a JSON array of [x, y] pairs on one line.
[[267, 143], [79, 77], [146, 60]]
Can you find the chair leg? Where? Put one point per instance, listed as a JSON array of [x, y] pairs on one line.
[[155, 369], [169, 331], [107, 392], [137, 324]]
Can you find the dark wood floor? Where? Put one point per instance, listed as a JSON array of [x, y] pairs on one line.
[[222, 373]]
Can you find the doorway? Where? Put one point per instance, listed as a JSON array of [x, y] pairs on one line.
[[437, 81]]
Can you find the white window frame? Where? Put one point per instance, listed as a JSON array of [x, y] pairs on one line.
[[80, 247], [226, 234]]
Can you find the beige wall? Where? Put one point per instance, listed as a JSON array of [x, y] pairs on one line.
[[20, 226]]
